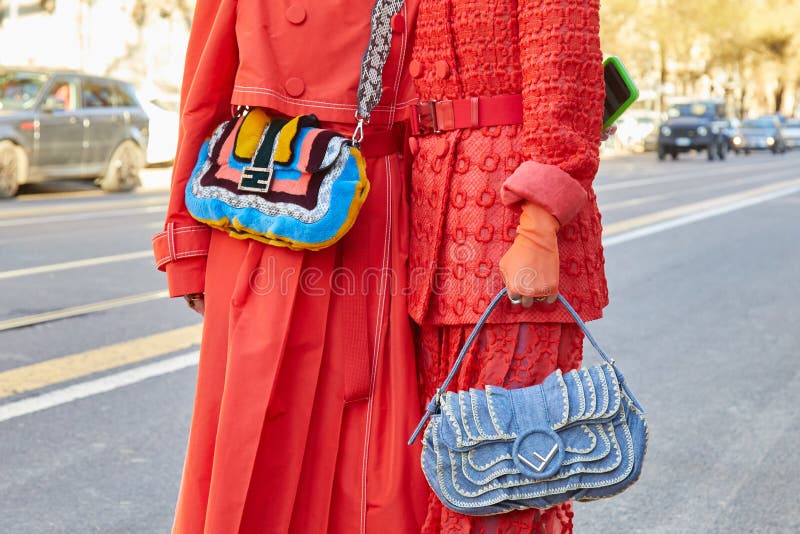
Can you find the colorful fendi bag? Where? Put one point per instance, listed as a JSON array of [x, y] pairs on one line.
[[289, 182], [576, 436]]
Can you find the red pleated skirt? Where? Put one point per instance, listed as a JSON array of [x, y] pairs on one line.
[[306, 389], [510, 355]]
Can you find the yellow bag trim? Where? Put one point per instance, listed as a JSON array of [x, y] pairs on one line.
[[250, 133], [283, 150]]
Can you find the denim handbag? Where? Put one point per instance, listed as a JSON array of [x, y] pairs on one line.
[[576, 436]]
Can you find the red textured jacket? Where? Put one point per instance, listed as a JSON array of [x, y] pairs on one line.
[[466, 183], [294, 56]]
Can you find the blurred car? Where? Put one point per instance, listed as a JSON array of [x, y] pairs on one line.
[[48, 6], [633, 131], [696, 125], [759, 134], [780, 117], [163, 139], [790, 132], [63, 124], [650, 142]]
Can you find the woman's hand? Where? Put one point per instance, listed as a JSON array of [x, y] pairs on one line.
[[197, 302], [608, 132], [530, 267]]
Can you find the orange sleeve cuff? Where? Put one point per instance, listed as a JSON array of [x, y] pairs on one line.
[[186, 276], [181, 252], [546, 185]]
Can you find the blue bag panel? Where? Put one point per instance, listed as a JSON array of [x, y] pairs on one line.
[[478, 416], [575, 383], [601, 451], [604, 402], [471, 417], [491, 460], [482, 493], [590, 395], [594, 393], [587, 440]]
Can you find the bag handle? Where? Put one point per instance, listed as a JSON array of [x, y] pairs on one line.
[[370, 83], [370, 80], [433, 405]]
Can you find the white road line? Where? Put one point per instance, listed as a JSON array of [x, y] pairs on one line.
[[96, 386], [683, 215], [694, 174], [125, 378], [63, 208], [88, 262], [638, 201], [26, 221], [639, 182], [83, 309], [631, 202]]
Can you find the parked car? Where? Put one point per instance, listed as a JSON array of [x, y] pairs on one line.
[[62, 124], [790, 132], [780, 117], [759, 134], [28, 6], [163, 140], [698, 126], [651, 140], [634, 129]]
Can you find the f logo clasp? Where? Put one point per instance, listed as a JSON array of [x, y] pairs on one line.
[[256, 180], [538, 453]]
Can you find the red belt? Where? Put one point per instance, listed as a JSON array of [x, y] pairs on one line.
[[434, 116], [377, 143]]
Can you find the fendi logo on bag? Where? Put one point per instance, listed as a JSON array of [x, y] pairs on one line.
[[532, 453], [256, 179]]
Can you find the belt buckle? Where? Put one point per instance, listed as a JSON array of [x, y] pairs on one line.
[[256, 179], [426, 117]]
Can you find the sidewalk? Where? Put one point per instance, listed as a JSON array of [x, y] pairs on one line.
[[155, 178]]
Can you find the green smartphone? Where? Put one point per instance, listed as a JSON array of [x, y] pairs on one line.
[[620, 90]]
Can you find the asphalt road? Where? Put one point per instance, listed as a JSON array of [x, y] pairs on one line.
[[97, 374]]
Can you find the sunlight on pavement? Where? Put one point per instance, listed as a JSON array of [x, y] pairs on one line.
[[39, 375]]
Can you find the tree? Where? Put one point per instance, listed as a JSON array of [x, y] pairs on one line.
[[164, 9], [743, 42], [777, 47], [649, 33]]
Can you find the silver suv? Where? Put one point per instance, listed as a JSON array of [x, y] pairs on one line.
[[62, 124]]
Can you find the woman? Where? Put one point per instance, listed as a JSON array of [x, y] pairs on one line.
[[508, 128], [306, 380]]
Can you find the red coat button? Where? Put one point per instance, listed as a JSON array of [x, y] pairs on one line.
[[398, 24], [294, 86], [386, 93], [296, 14], [442, 69], [413, 145], [415, 68]]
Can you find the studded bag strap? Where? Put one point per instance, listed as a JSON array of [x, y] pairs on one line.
[[433, 405], [370, 84]]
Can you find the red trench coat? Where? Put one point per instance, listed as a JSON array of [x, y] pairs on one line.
[[306, 394]]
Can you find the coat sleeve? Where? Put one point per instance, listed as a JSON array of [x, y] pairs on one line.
[[211, 61], [563, 93]]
